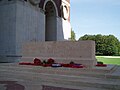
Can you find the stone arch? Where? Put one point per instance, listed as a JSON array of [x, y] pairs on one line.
[[46, 1], [51, 14]]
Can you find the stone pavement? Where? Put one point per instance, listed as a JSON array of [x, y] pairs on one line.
[[22, 77]]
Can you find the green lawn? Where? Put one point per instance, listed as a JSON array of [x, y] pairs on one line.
[[109, 59]]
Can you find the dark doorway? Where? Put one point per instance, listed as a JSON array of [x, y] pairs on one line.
[[50, 22]]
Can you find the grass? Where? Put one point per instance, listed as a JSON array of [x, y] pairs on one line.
[[109, 59]]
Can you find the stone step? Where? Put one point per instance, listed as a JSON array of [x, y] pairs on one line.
[[72, 87], [66, 71], [109, 68], [64, 79], [37, 86], [59, 69]]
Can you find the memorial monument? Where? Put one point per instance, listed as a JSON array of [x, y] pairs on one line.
[[39, 29], [23, 21]]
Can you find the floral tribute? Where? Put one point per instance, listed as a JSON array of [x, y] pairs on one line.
[[51, 63], [100, 64]]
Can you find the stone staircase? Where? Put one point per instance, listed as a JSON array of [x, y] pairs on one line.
[[35, 77]]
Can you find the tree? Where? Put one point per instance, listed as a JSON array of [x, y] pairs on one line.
[[73, 36], [119, 49], [105, 44], [87, 37], [113, 45]]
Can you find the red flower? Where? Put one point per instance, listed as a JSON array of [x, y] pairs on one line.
[[50, 61], [37, 61], [26, 63], [47, 65], [101, 65]]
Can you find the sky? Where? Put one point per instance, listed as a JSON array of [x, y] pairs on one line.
[[95, 17]]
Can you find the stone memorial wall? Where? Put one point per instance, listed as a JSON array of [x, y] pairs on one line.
[[82, 52]]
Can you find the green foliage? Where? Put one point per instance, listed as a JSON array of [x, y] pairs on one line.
[[73, 36], [72, 62], [119, 48], [44, 62], [105, 44]]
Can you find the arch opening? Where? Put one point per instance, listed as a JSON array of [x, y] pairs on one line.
[[50, 22]]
